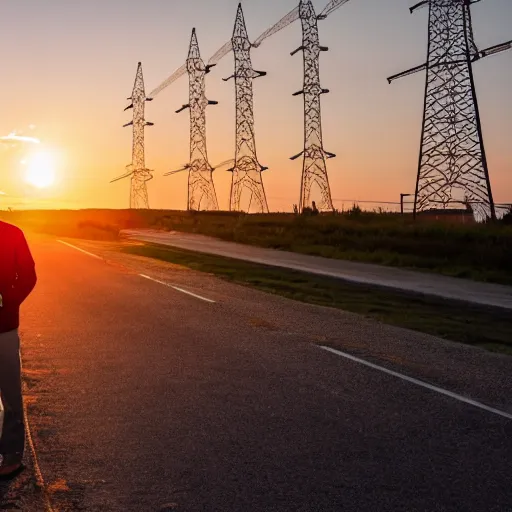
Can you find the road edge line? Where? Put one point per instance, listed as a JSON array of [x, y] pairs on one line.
[[177, 289], [81, 250], [418, 382], [35, 459]]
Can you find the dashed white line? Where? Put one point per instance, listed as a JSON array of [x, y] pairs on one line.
[[177, 289], [417, 382], [81, 250]]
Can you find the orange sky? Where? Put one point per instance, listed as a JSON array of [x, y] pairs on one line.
[[69, 68]]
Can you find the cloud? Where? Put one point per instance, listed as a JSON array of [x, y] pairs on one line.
[[13, 139]]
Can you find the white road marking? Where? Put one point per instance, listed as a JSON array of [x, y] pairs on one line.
[[81, 250], [142, 275], [442, 391], [178, 289]]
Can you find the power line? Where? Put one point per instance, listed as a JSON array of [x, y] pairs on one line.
[[226, 48]]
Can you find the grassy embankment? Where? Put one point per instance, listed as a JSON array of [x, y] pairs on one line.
[[473, 251], [479, 326], [477, 252]]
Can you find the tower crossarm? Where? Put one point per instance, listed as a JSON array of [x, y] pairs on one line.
[[419, 5], [326, 153], [493, 50], [184, 107], [424, 3], [407, 73], [253, 74]]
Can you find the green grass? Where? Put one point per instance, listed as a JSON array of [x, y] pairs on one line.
[[479, 326], [479, 252]]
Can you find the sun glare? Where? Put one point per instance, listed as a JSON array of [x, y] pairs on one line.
[[40, 170]]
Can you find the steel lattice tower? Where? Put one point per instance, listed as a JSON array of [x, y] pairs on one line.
[[137, 171], [247, 171], [315, 182], [452, 164], [201, 189]]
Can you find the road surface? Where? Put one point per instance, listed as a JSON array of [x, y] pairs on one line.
[[155, 388], [377, 275]]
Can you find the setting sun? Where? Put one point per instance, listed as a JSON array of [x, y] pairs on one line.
[[40, 170]]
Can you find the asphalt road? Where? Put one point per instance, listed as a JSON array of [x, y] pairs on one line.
[[486, 294], [145, 398]]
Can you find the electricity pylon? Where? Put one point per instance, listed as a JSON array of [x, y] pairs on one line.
[[247, 171], [201, 189], [315, 181], [452, 164], [136, 171]]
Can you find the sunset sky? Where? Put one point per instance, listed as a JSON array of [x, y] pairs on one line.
[[68, 67]]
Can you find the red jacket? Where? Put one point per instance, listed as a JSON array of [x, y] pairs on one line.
[[17, 275]]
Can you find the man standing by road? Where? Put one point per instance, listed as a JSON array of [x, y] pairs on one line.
[[17, 279]]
